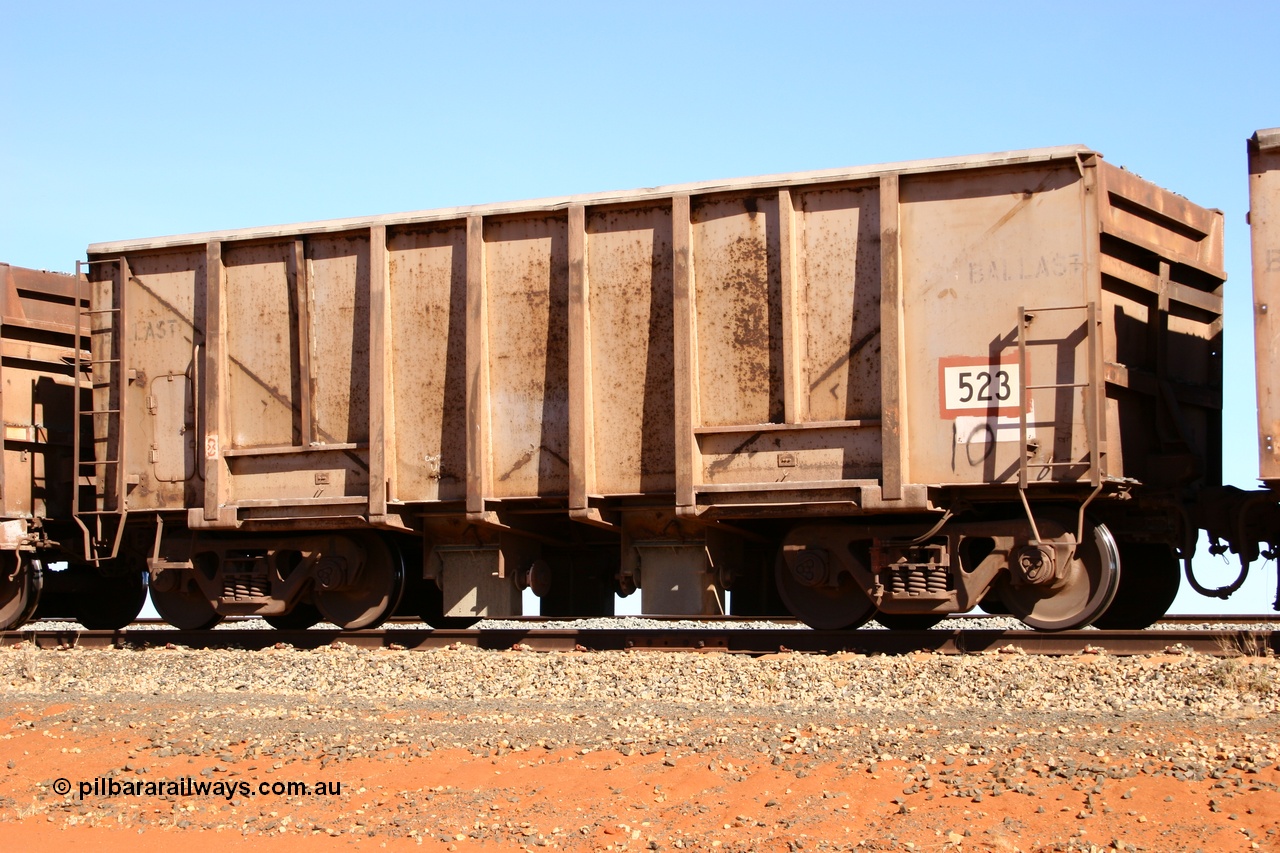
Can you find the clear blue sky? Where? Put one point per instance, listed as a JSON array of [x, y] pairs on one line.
[[121, 120]]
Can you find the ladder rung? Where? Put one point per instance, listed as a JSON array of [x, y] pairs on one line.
[[100, 374], [1089, 388]]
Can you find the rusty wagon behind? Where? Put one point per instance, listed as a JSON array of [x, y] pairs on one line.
[[37, 388], [1238, 520]]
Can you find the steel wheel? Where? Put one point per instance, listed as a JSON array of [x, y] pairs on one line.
[[909, 621], [21, 580], [823, 606], [184, 606], [992, 605], [1149, 580], [372, 595], [300, 618], [1085, 590], [111, 602]]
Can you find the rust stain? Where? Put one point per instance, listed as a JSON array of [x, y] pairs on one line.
[[749, 330], [527, 457]]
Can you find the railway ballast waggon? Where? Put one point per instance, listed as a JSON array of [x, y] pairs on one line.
[[894, 392]]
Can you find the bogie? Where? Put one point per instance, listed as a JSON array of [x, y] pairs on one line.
[[352, 580], [836, 576]]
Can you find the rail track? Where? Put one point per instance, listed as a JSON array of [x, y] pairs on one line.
[[539, 635]]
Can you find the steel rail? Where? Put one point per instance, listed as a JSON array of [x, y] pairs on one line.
[[1221, 642], [533, 621]]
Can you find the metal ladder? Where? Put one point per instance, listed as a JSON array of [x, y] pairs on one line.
[[100, 541], [1093, 409]]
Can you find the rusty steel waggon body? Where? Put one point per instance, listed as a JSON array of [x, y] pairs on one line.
[[40, 350], [896, 391], [1264, 222]]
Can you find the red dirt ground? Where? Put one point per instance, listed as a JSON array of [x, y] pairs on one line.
[[452, 799]]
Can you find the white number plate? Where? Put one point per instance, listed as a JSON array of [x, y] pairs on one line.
[[972, 385]]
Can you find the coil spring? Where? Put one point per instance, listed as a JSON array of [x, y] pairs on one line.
[[917, 579], [246, 586], [938, 579], [892, 581], [247, 583]]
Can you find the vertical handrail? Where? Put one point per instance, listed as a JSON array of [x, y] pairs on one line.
[[120, 383], [114, 411], [78, 413], [1094, 397], [1022, 398], [75, 401]]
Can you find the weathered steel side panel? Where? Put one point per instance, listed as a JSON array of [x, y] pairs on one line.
[[738, 299], [38, 342], [38, 299], [428, 274], [789, 455], [1264, 219], [339, 276], [165, 327], [1156, 220], [1161, 263], [975, 246], [787, 297], [262, 340], [839, 282], [629, 260], [320, 475], [527, 284], [32, 428]]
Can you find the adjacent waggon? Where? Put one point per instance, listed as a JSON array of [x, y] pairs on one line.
[[39, 351], [897, 392], [1242, 521]]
